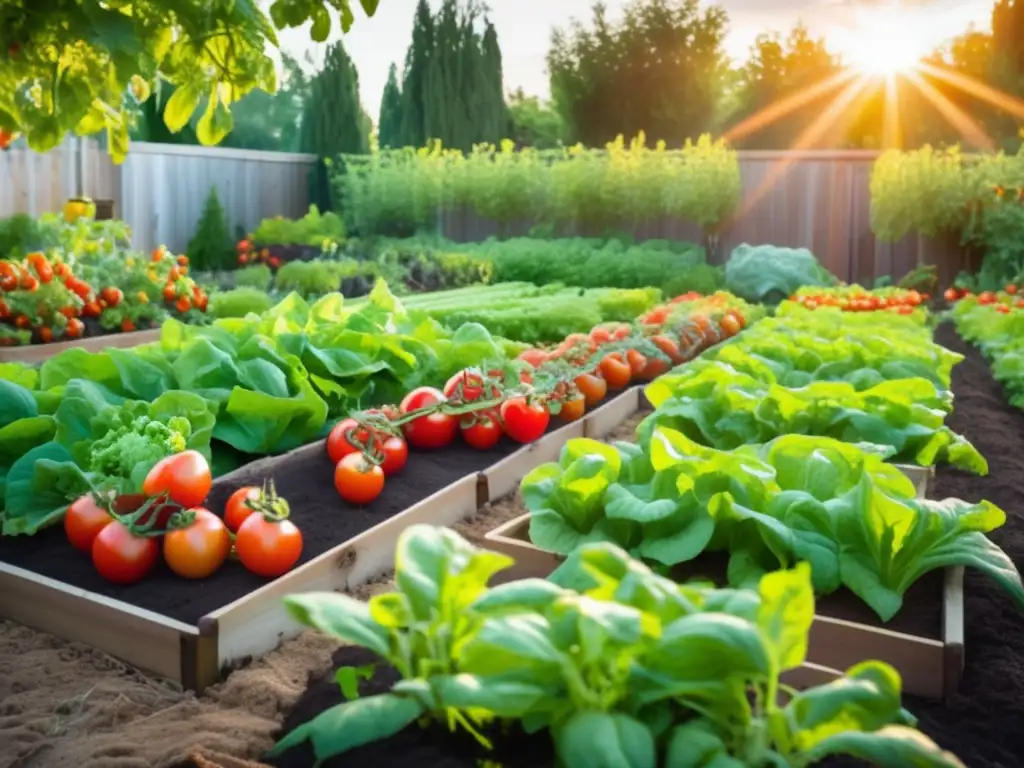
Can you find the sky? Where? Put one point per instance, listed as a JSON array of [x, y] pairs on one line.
[[524, 31]]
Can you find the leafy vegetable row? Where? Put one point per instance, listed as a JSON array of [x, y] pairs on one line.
[[997, 327], [619, 666], [840, 507], [854, 381]]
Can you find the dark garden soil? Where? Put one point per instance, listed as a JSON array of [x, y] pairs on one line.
[[413, 747], [306, 479], [981, 724]]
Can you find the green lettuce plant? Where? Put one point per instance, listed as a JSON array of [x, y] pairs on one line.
[[620, 666], [837, 506]]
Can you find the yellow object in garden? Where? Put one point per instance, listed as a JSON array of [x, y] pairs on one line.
[[77, 207]]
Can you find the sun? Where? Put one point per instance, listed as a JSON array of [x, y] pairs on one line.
[[885, 41]]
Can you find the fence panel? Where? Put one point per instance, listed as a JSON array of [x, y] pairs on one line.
[[809, 199]]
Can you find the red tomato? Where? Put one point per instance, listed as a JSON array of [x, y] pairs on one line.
[[471, 383], [951, 294], [524, 422], [615, 371], [396, 453], [185, 477], [573, 408], [621, 332], [338, 444], [1011, 289], [83, 522], [237, 511], [668, 348], [122, 557], [654, 368], [435, 430], [198, 550], [357, 480], [636, 361], [482, 430], [75, 328], [593, 388], [268, 548], [600, 335], [986, 297], [111, 295], [535, 357], [730, 325]]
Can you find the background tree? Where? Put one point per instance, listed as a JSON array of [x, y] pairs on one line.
[[111, 54], [333, 122], [414, 77], [389, 124], [776, 70], [533, 124], [659, 70]]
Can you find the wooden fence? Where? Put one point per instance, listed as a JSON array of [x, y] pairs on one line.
[[160, 189], [813, 199]]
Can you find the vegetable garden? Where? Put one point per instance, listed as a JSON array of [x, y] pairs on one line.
[[758, 571]]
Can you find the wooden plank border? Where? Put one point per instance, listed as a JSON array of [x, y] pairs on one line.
[[38, 353]]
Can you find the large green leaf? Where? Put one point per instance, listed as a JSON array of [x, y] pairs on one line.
[[39, 487]]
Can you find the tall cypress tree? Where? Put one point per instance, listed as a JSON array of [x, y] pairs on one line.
[[452, 84], [389, 125], [414, 77], [333, 121]]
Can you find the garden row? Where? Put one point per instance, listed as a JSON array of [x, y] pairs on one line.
[[768, 452], [995, 323]]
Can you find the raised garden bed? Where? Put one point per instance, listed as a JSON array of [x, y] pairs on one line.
[[190, 631], [37, 353], [924, 642]]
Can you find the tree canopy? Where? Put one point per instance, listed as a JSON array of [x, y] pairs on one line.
[[86, 65]]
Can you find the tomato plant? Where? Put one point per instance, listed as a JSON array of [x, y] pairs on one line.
[[83, 521], [185, 477], [121, 556], [524, 421], [481, 430], [467, 386], [358, 480], [200, 547]]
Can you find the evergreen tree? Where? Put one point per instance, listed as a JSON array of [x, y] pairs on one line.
[[414, 77], [211, 247], [334, 122], [495, 113], [389, 125]]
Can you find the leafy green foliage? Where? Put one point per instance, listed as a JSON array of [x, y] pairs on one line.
[[111, 57], [620, 666], [658, 69], [769, 274], [93, 439], [240, 302], [317, 277], [211, 247], [312, 229], [258, 277], [535, 124], [795, 498], [573, 189], [278, 380], [734, 396], [1001, 339]]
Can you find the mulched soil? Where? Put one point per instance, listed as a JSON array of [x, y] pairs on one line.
[[980, 724], [306, 479]]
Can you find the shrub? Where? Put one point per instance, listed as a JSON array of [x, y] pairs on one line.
[[211, 247], [258, 277], [705, 279], [320, 276], [239, 302], [312, 229]]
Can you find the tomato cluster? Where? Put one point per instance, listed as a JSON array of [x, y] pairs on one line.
[[484, 404], [1001, 301], [899, 302], [178, 292], [44, 299], [249, 255], [125, 535]]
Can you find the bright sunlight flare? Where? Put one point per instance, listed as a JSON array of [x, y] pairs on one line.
[[886, 40]]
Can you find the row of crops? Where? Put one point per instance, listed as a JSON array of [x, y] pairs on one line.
[[775, 450]]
